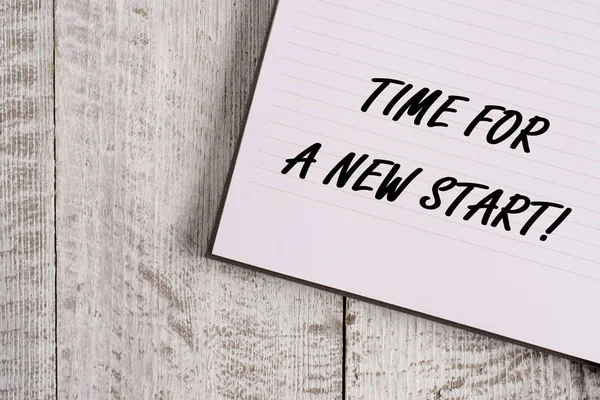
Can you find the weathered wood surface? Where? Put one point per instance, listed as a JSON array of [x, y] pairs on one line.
[[150, 98], [393, 355], [27, 367]]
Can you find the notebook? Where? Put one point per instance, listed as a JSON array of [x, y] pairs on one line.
[[438, 156]]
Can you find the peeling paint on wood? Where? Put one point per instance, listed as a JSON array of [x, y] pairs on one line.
[[150, 99], [393, 355], [27, 362]]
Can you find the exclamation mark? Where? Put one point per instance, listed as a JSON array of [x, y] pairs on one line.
[[556, 224]]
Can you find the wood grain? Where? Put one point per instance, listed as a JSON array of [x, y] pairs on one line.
[[393, 355], [27, 365], [151, 96], [150, 99]]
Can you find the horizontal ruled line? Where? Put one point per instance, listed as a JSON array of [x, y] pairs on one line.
[[537, 76], [526, 39], [395, 139], [452, 70], [476, 196], [466, 107], [554, 12], [452, 87], [493, 166], [521, 21], [426, 231], [585, 3], [463, 141], [424, 163], [446, 219], [459, 38]]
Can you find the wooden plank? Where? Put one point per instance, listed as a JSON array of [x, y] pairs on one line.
[[27, 292], [393, 355], [150, 98]]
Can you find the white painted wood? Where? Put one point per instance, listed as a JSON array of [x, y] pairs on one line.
[[150, 99], [393, 355], [27, 366]]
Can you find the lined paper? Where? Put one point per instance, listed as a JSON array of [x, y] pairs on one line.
[[535, 57]]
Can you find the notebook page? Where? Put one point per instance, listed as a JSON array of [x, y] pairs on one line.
[[441, 156]]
